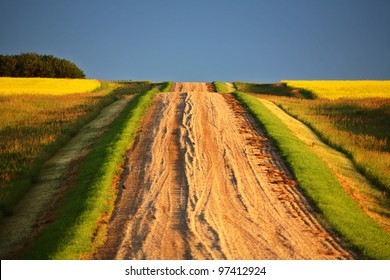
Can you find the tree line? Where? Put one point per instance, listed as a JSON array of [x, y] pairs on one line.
[[35, 65]]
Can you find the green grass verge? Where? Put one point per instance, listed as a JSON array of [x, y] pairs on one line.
[[221, 86], [316, 179], [70, 236], [167, 86]]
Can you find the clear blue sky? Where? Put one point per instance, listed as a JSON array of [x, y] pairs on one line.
[[205, 40]]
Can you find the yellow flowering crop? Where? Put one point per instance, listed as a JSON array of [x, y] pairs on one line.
[[14, 86], [344, 89]]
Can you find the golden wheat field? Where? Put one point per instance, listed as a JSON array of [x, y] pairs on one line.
[[17, 86], [344, 89]]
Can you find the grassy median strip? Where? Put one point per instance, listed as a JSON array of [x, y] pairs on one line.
[[318, 182], [70, 235]]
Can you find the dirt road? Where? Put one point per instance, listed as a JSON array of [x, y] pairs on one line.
[[202, 182]]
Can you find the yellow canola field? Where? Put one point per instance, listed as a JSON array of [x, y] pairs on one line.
[[344, 89], [15, 86]]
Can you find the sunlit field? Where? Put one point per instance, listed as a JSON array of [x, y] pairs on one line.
[[32, 126], [17, 86], [344, 89], [359, 127], [352, 116]]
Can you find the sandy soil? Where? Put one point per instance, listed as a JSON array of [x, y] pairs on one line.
[[202, 182]]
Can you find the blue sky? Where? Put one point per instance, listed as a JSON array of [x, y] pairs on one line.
[[186, 40]]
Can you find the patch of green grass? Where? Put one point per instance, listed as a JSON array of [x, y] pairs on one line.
[[221, 86], [167, 86], [70, 236], [318, 182]]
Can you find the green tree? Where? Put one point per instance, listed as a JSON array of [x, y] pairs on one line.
[[35, 65]]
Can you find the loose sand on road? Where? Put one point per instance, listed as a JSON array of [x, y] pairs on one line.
[[203, 182]]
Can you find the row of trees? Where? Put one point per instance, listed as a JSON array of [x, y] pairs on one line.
[[35, 65]]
